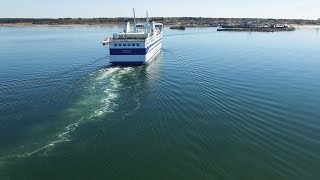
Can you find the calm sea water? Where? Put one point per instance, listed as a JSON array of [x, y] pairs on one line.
[[213, 105]]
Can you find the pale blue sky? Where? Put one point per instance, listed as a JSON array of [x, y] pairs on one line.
[[305, 9]]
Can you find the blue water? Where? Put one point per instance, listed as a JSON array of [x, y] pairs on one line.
[[213, 105]]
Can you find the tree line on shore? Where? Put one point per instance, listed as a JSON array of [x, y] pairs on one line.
[[168, 20], [65, 21]]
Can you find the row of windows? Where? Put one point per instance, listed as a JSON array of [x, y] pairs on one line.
[[133, 44]]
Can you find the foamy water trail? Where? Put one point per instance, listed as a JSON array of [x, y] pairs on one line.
[[99, 99]]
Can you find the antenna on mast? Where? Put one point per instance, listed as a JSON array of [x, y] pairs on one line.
[[147, 16], [134, 20], [148, 24]]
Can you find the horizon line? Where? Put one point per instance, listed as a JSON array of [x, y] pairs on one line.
[[160, 17]]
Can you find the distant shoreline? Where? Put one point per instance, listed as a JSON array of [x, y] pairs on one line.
[[52, 25], [111, 24], [168, 21], [115, 24]]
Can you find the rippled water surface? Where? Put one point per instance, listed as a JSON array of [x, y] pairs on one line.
[[213, 105]]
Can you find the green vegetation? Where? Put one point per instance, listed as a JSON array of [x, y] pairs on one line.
[[184, 21], [65, 21]]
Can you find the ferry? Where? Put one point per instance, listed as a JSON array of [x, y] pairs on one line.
[[138, 45]]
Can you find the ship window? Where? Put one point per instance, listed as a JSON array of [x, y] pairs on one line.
[[120, 44], [129, 44], [124, 44], [138, 44], [115, 44], [133, 44]]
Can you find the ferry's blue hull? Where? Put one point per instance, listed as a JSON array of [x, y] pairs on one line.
[[134, 55]]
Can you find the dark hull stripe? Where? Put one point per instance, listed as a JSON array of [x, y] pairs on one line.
[[140, 51]]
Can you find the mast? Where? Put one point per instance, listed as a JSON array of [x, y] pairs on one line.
[[147, 17], [148, 24], [134, 20]]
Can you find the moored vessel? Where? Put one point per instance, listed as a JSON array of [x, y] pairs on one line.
[[106, 42], [178, 27]]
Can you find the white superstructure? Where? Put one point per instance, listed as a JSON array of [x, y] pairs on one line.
[[138, 45]]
